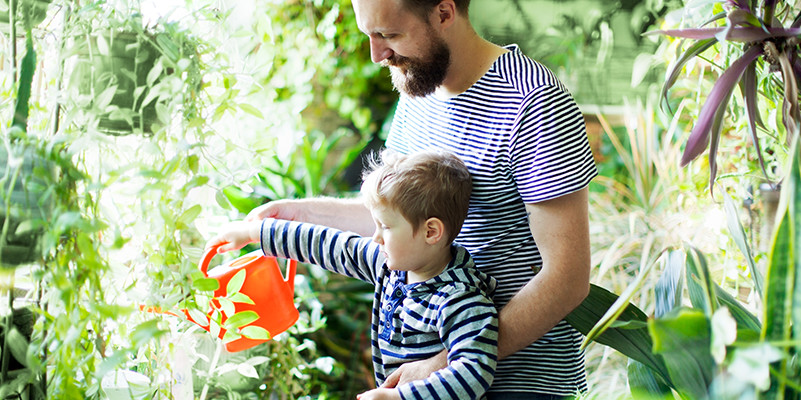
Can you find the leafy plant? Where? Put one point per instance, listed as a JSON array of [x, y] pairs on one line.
[[768, 33]]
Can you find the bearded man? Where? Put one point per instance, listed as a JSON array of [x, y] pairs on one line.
[[523, 139]]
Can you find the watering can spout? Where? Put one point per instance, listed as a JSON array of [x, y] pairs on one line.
[[271, 294]]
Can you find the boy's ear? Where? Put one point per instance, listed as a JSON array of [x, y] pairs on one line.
[[435, 230]]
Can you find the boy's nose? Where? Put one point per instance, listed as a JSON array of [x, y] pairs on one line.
[[377, 237]]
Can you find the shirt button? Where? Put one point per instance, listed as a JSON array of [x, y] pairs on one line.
[[398, 293]]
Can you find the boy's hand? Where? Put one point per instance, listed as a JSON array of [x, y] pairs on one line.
[[380, 394], [236, 235]]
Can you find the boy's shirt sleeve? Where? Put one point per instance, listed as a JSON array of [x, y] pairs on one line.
[[468, 326], [342, 252]]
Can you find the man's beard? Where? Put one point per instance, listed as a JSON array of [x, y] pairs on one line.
[[419, 77]]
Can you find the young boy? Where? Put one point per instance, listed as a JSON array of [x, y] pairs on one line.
[[428, 294]]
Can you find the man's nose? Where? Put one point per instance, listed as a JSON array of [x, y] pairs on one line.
[[379, 51]]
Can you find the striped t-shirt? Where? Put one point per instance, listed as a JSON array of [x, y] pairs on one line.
[[411, 322], [523, 139]]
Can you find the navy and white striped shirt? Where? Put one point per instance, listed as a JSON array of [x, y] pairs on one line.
[[411, 322], [523, 139]]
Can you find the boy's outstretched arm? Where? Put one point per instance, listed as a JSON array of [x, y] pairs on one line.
[[236, 235]]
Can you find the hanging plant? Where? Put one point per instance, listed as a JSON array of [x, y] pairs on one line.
[[770, 34]]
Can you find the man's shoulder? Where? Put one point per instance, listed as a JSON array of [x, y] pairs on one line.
[[522, 73]]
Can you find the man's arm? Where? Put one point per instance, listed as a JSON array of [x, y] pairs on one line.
[[344, 214], [561, 230]]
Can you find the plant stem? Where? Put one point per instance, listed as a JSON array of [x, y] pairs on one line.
[[212, 366]]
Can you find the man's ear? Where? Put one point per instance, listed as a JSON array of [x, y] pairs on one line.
[[445, 13], [435, 230]]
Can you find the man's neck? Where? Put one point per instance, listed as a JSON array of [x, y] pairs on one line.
[[471, 58]]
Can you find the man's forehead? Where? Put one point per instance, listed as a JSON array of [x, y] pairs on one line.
[[375, 16]]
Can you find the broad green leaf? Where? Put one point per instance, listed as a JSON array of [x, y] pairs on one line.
[[644, 383], [241, 319], [633, 343], [745, 319], [699, 283], [206, 284], [682, 337], [236, 282], [17, 346], [616, 309], [255, 332]]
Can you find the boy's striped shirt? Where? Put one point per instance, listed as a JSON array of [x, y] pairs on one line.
[[411, 322]]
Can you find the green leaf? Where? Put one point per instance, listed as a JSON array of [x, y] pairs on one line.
[[206, 284], [255, 332], [27, 68], [699, 283], [240, 297], [644, 383], [251, 110], [633, 343], [17, 346], [738, 234], [241, 319], [146, 331], [199, 317], [188, 217], [620, 305], [682, 337], [670, 285], [103, 99], [227, 306], [247, 370], [236, 282]]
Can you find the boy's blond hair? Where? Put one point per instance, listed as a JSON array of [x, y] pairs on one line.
[[420, 186]]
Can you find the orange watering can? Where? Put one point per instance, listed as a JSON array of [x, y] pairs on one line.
[[272, 294]]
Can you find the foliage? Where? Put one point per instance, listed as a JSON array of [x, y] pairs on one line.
[[769, 33], [703, 341]]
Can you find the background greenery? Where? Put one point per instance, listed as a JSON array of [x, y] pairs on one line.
[[244, 102]]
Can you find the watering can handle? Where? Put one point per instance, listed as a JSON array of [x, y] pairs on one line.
[[212, 251], [206, 259]]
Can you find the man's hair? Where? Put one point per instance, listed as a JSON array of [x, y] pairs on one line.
[[422, 8], [420, 186]]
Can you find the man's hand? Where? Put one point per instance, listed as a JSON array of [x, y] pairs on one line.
[[235, 236], [416, 370], [380, 394], [278, 209]]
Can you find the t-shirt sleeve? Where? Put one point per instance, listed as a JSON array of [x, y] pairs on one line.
[[550, 153]]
